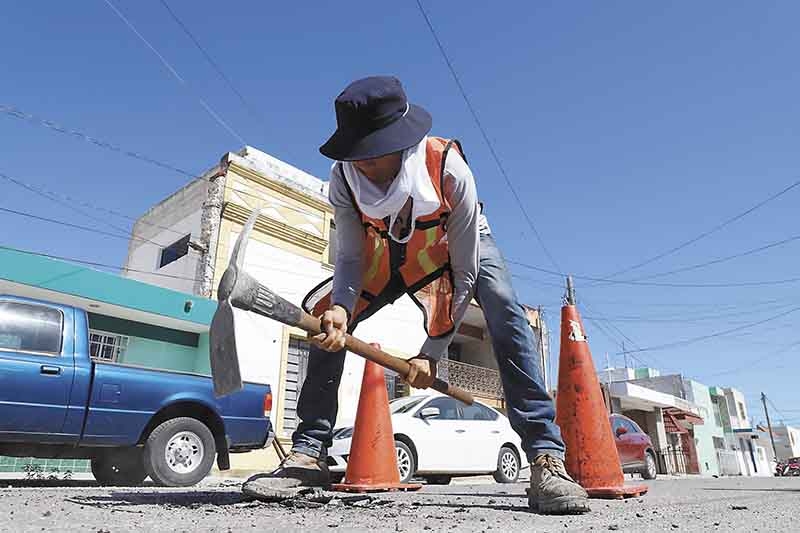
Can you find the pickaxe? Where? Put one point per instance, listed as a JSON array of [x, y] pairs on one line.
[[238, 289]]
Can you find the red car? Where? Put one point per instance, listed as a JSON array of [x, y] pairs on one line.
[[634, 447]]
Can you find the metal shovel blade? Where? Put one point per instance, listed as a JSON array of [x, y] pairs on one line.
[[224, 359]]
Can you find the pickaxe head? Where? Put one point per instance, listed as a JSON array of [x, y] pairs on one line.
[[224, 356]]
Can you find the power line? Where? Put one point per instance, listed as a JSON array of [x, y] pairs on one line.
[[175, 74], [662, 284], [783, 415], [722, 259], [708, 232], [690, 319], [717, 334], [92, 263], [53, 126], [49, 194], [69, 224], [756, 361], [14, 112], [486, 139], [69, 205], [252, 109]]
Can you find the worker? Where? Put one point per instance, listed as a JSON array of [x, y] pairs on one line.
[[408, 221]]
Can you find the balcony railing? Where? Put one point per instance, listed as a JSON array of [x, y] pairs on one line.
[[476, 379]]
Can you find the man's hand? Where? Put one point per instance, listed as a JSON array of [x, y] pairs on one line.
[[334, 329], [422, 372]]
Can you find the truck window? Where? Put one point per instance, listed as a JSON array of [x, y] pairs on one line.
[[30, 328]]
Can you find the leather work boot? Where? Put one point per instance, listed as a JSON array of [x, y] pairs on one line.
[[552, 490], [296, 473]]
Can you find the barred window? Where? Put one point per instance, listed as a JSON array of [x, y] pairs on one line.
[[106, 346]]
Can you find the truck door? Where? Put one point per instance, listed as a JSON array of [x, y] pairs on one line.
[[36, 369]]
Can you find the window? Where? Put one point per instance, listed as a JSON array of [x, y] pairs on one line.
[[106, 346], [454, 352], [477, 412], [174, 251], [404, 405], [332, 244], [630, 426], [719, 444], [30, 328], [717, 413], [741, 411], [448, 408], [394, 385], [296, 367]]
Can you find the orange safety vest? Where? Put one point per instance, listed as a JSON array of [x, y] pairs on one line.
[[419, 267]]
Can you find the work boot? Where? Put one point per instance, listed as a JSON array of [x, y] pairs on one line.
[[552, 490], [296, 473]]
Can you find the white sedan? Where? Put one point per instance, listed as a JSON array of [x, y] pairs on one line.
[[437, 438]]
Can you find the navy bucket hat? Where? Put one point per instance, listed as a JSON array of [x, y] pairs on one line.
[[373, 119]]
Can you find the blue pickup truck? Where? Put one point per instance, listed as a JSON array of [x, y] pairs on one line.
[[56, 401]]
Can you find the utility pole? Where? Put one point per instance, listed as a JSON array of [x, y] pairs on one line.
[[570, 291], [608, 385], [625, 355], [769, 425], [543, 348]]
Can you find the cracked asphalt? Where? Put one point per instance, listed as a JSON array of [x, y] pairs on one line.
[[674, 504]]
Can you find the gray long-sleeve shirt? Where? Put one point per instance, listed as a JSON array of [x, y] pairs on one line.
[[465, 224]]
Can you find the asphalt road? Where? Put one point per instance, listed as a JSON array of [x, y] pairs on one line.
[[687, 504]]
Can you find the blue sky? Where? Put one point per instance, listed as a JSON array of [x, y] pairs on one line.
[[625, 127]]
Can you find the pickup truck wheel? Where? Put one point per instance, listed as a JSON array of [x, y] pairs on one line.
[[179, 452], [123, 468]]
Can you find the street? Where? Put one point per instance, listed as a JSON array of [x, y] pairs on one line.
[[685, 504]]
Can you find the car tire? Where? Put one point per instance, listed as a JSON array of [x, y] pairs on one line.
[[406, 462], [337, 477], [650, 470], [508, 466], [179, 452], [121, 468], [438, 480]]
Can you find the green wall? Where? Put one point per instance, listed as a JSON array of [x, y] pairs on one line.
[[202, 361], [704, 433], [161, 355]]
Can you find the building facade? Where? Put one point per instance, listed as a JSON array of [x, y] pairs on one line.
[[787, 441]]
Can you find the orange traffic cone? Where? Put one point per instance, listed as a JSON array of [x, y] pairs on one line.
[[592, 457], [372, 466]]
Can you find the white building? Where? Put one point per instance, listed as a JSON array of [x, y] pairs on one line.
[[787, 441], [185, 241]]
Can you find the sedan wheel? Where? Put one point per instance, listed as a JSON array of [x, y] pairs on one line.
[[405, 461], [650, 470], [507, 466]]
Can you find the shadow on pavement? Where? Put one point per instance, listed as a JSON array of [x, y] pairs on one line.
[[460, 508], [55, 483], [765, 489], [479, 494], [189, 499]]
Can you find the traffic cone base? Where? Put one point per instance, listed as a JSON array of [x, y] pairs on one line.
[[591, 458], [376, 487], [372, 465], [617, 493]]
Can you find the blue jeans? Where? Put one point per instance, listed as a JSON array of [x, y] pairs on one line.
[[530, 409]]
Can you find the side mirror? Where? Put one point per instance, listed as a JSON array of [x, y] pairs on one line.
[[430, 412], [621, 431]]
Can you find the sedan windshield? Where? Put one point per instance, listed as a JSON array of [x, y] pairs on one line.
[[404, 405]]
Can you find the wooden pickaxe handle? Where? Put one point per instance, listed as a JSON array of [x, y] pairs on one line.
[[312, 325]]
